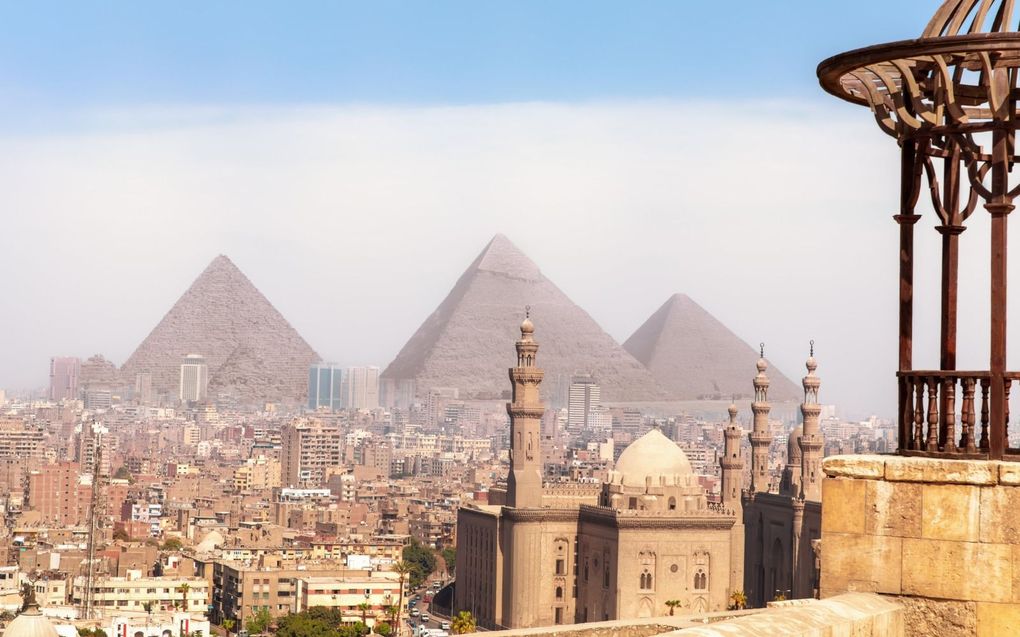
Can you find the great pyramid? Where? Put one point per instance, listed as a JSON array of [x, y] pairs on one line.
[[252, 352], [693, 355], [467, 343]]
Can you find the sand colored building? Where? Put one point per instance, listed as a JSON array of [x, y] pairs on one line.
[[558, 554]]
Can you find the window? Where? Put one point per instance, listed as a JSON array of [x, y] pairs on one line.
[[559, 615], [561, 567], [672, 504], [559, 592], [646, 580], [700, 580]]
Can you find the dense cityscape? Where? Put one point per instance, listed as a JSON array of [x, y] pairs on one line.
[[513, 467]]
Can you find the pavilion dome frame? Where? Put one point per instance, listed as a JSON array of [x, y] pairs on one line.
[[950, 98]]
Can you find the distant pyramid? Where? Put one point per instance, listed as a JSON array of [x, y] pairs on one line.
[[693, 355], [467, 343], [252, 352]]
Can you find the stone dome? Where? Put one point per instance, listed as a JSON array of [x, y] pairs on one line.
[[793, 445], [652, 455], [212, 540], [30, 623]]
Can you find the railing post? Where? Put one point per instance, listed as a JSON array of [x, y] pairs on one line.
[[967, 415], [933, 415], [949, 415]]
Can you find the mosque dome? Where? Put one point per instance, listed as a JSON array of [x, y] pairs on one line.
[[652, 455], [210, 542], [527, 327], [793, 445], [30, 623]]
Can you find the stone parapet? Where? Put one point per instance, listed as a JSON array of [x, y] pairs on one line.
[[941, 535]]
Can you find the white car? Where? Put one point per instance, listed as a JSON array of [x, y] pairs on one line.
[[415, 612], [444, 625], [424, 617]]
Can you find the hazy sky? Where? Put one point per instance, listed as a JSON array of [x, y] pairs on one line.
[[353, 159]]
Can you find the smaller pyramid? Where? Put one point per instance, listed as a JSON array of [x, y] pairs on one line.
[[252, 352], [694, 356]]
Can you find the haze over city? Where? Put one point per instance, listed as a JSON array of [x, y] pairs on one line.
[[353, 184]]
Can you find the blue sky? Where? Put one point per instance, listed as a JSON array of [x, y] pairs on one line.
[[353, 159], [55, 56]]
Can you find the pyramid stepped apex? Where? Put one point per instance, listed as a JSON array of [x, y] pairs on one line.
[[501, 256], [464, 343], [693, 355], [223, 317]]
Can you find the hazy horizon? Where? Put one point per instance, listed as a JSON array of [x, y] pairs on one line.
[[353, 183]]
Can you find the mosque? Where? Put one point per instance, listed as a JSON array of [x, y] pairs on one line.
[[541, 554]]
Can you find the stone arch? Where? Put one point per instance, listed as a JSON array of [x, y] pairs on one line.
[[700, 605], [646, 608]]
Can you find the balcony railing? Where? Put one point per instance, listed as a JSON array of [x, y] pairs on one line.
[[947, 413]]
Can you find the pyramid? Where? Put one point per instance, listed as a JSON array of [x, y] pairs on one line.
[[252, 352], [467, 343], [693, 355]]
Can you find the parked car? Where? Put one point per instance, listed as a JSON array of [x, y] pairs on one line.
[[424, 618], [444, 625]]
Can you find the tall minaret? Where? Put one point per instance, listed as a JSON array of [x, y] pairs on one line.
[[811, 442], [524, 485], [761, 436], [732, 464]]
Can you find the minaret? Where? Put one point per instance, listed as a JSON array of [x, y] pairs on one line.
[[761, 436], [811, 442], [524, 484], [732, 465]]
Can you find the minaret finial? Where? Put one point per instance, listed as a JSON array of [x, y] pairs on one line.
[[527, 313], [761, 350], [812, 347]]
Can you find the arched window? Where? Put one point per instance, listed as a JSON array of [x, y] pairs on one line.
[[646, 580], [559, 592], [672, 504], [700, 580]]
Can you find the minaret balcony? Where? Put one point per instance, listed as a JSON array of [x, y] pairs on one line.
[[947, 413]]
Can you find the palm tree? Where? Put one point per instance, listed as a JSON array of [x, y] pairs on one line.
[[183, 590], [672, 604], [463, 623], [364, 607], [391, 611], [228, 625], [738, 600], [402, 568]]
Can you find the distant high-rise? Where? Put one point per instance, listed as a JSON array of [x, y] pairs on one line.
[[324, 386], [64, 373], [585, 394], [194, 379], [143, 388], [308, 449], [360, 388]]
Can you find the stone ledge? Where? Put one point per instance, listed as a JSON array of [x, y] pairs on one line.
[[927, 470], [858, 614]]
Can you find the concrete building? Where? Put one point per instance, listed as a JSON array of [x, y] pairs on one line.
[[309, 448], [584, 396], [120, 594], [58, 494], [194, 385], [378, 589], [360, 388], [544, 554], [64, 373]]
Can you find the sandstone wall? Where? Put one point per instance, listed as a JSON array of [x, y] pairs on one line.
[[943, 536]]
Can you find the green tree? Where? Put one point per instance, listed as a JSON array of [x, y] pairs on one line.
[[450, 557], [228, 625], [422, 561], [183, 590], [122, 473], [402, 569], [120, 535], [259, 621], [672, 604], [91, 632], [463, 623], [172, 544], [356, 629], [383, 628], [364, 607]]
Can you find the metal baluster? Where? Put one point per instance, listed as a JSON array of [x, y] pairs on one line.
[[984, 415], [933, 415], [949, 387], [967, 443]]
